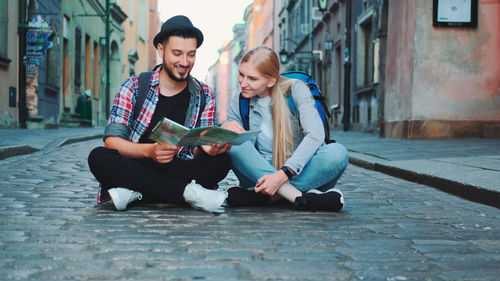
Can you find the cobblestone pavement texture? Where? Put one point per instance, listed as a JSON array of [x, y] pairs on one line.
[[468, 167], [390, 229]]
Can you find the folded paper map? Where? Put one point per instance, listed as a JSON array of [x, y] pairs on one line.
[[168, 131]]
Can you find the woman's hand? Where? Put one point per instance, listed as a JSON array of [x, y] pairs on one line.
[[216, 148], [233, 126], [269, 184], [162, 153]]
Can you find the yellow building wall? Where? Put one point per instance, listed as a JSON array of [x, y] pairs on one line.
[[138, 14]]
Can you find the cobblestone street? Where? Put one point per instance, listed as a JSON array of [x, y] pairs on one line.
[[390, 229]]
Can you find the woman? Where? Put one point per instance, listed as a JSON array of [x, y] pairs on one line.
[[289, 159]]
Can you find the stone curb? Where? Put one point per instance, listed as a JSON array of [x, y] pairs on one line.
[[469, 192], [11, 151], [79, 139]]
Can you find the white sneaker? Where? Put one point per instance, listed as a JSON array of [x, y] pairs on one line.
[[121, 197], [204, 199]]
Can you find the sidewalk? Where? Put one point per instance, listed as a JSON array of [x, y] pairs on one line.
[[15, 142], [469, 168]]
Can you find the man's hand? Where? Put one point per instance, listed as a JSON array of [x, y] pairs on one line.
[[233, 126], [216, 148], [162, 153], [269, 184]]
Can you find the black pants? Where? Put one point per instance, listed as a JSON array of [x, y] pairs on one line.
[[157, 182]]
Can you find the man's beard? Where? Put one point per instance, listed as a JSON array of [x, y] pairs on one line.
[[170, 74]]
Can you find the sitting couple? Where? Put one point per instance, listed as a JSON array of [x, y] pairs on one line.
[[288, 160]]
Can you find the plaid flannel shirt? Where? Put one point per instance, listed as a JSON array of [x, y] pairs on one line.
[[121, 121], [123, 106]]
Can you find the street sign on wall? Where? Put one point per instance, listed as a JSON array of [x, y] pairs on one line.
[[455, 13], [322, 4], [37, 42]]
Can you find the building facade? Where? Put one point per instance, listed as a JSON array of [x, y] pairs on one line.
[[441, 82], [85, 75], [385, 67], [140, 27], [367, 50], [9, 60], [60, 62], [223, 74], [29, 59], [329, 42], [259, 19], [295, 35]]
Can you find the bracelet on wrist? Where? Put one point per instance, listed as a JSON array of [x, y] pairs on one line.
[[287, 172]]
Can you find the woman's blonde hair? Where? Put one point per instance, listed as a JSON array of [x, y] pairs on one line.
[[267, 64]]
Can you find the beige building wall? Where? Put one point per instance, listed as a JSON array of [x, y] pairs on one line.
[[154, 26], [442, 82], [9, 70], [136, 51]]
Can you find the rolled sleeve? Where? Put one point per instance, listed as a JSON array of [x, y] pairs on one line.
[[116, 130]]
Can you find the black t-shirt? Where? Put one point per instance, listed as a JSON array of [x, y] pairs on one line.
[[174, 108]]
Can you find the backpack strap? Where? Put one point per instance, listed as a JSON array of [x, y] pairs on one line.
[[142, 92], [244, 109], [202, 106]]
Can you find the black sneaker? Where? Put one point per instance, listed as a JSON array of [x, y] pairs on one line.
[[241, 197], [315, 200]]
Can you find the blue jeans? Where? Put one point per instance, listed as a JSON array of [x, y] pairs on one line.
[[322, 172]]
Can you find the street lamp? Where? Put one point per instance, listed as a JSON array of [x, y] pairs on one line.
[[283, 52], [283, 56]]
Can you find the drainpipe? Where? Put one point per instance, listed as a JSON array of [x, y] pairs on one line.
[[108, 9], [347, 69], [23, 110]]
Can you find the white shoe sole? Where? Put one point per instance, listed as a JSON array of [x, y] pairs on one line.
[[115, 197], [192, 197], [315, 191]]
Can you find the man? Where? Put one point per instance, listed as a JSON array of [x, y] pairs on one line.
[[130, 165]]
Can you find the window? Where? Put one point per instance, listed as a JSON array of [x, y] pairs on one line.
[[302, 21], [52, 64], [355, 114], [88, 60], [369, 113], [364, 58], [78, 58], [132, 59], [141, 26], [95, 90], [367, 46], [65, 74]]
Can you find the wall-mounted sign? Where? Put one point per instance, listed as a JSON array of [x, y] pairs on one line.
[[455, 13], [37, 40], [322, 4]]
